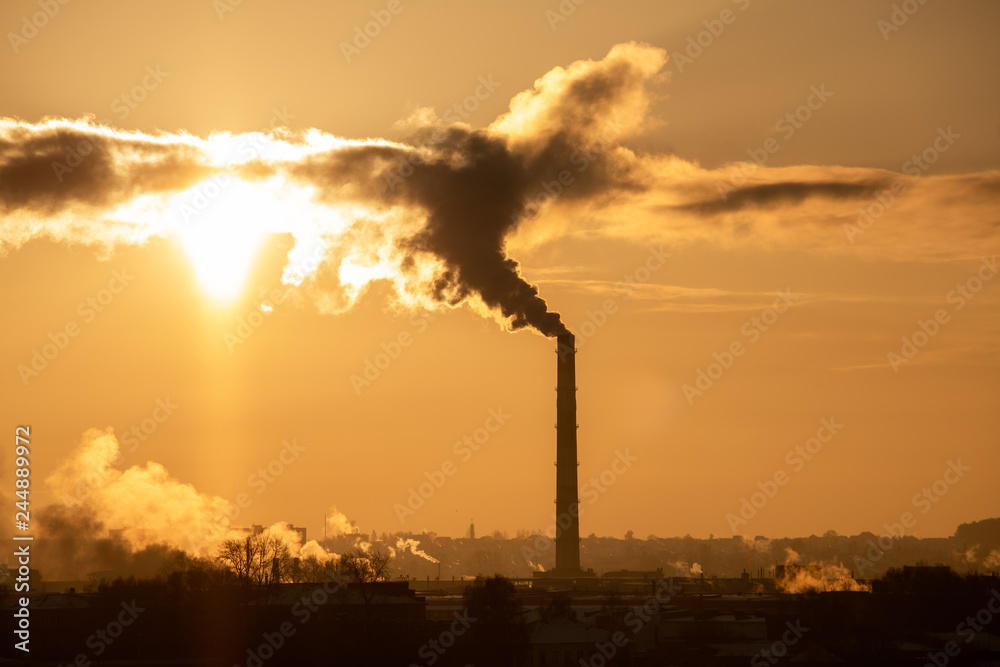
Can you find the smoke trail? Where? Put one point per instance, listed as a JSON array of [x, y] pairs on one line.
[[435, 215], [135, 521], [475, 186], [414, 547], [432, 214]]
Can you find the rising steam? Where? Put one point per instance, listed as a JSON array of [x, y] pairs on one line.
[[816, 577], [134, 520], [129, 520], [819, 577], [143, 504], [296, 548], [337, 523]]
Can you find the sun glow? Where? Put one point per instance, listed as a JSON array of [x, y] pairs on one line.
[[222, 221], [223, 226]]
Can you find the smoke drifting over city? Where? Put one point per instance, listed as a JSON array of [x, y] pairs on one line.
[[434, 213]]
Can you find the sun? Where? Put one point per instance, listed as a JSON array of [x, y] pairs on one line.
[[223, 225]]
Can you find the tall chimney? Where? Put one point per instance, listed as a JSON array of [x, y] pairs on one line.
[[567, 494]]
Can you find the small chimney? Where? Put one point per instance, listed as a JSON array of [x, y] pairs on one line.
[[567, 494]]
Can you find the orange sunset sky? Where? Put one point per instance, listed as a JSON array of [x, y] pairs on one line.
[[806, 184]]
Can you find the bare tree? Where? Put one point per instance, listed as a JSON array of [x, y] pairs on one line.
[[237, 556], [260, 559], [362, 570], [311, 569], [362, 567]]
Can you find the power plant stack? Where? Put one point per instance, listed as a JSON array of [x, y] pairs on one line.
[[567, 493]]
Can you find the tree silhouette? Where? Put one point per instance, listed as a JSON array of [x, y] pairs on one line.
[[261, 558], [362, 567]]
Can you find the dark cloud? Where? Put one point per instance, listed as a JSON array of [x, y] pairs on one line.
[[474, 186], [51, 167], [773, 195], [471, 188]]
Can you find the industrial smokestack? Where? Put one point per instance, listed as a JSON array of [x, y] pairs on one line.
[[567, 498]]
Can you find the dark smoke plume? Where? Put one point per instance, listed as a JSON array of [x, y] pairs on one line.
[[434, 213]]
